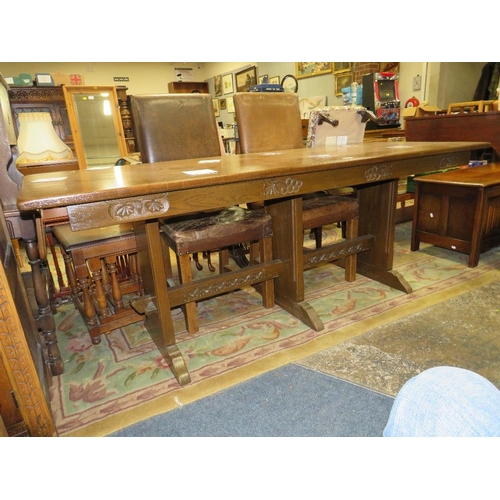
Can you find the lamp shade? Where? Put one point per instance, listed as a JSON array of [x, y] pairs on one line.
[[38, 140]]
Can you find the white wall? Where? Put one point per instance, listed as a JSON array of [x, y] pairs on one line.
[[442, 83]]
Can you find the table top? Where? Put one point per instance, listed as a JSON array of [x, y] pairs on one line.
[[40, 191], [483, 176]]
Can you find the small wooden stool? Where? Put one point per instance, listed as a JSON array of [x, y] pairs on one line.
[[458, 209]]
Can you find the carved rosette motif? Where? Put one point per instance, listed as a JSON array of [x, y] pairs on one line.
[[279, 186], [129, 209], [448, 162], [379, 172]]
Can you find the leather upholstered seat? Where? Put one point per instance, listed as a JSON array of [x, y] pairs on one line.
[[271, 122], [181, 126]]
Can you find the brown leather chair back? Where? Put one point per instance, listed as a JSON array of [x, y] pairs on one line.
[[175, 126], [268, 121]]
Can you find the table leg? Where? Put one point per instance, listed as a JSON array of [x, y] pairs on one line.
[[288, 239], [377, 206], [156, 304], [45, 319]]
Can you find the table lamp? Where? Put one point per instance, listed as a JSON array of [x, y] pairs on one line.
[[38, 141]]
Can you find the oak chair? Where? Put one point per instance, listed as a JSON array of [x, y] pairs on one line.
[[471, 107], [103, 273], [271, 122], [181, 126]]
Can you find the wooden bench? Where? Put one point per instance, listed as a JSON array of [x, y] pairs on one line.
[[459, 210]]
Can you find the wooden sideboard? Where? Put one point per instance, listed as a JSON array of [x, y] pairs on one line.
[[458, 127]]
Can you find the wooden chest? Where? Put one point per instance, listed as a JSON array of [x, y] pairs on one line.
[[459, 210]]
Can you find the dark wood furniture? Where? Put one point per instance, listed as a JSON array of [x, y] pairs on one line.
[[174, 127], [168, 189], [459, 210], [103, 273], [459, 127], [188, 87], [271, 121], [42, 100], [25, 369], [22, 227], [126, 116]]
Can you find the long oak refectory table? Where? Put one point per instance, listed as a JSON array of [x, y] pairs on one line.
[[143, 193]]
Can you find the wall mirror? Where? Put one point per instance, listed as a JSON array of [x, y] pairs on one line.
[[96, 125]]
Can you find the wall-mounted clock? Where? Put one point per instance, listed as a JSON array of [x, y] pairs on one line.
[[290, 83]]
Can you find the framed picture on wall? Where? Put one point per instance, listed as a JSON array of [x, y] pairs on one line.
[[215, 103], [230, 105], [341, 67], [341, 81], [222, 103], [263, 78], [218, 85], [245, 79], [306, 69], [274, 79], [227, 83]]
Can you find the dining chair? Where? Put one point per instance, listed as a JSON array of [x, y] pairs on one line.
[[172, 127], [103, 274], [272, 122]]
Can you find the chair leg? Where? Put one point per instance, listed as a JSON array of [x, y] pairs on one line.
[[116, 293], [351, 260], [185, 276], [52, 247], [135, 271], [70, 272], [256, 250], [99, 293], [318, 236], [223, 260], [88, 309]]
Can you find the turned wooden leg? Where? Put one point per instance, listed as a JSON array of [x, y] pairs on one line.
[[86, 304], [45, 320], [70, 273], [116, 293], [135, 271], [99, 294]]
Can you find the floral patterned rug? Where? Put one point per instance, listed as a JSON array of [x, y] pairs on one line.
[[124, 379]]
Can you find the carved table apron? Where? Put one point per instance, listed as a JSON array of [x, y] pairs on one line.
[[143, 193]]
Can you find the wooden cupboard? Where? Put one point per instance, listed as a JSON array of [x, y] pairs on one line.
[[188, 87]]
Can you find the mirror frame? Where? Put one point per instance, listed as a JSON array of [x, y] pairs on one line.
[[72, 90]]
